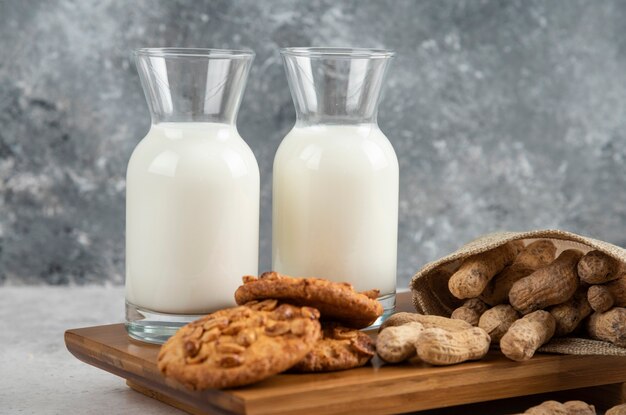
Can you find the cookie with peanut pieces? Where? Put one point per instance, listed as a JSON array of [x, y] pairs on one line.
[[336, 301], [339, 348], [240, 345]]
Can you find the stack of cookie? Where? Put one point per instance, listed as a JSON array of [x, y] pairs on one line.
[[282, 323]]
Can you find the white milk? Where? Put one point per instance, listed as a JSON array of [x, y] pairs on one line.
[[192, 218], [336, 206]]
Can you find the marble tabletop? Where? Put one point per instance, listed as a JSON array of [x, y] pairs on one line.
[[37, 373], [39, 376]]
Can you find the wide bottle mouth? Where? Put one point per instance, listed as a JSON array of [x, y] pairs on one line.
[[195, 53], [338, 53], [335, 85], [193, 84]]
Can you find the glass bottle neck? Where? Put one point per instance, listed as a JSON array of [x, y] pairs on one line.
[[335, 86], [193, 85]]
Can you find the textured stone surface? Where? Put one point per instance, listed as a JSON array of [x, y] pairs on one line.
[[39, 375], [505, 115]]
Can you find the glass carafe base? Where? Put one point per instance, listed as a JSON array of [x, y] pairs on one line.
[[153, 327], [389, 307]]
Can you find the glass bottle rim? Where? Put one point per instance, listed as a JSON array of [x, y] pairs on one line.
[[207, 53], [338, 53]]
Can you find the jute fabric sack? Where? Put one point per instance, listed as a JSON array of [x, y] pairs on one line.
[[431, 294]]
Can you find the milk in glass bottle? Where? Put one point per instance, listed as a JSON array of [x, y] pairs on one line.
[[192, 197], [335, 184]]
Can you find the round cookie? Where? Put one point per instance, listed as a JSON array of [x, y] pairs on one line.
[[336, 301], [339, 348], [241, 345]]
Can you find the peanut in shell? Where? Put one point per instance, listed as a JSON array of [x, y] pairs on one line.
[[550, 285]]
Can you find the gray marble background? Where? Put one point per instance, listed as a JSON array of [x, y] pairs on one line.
[[506, 115]]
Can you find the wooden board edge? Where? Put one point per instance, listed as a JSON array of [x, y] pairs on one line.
[[121, 363], [379, 402], [75, 343], [171, 401], [602, 397]]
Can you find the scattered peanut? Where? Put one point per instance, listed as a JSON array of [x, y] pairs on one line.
[[428, 321], [497, 320], [557, 408], [617, 410], [609, 326], [600, 298], [497, 291], [569, 314], [476, 271], [397, 343], [470, 311], [527, 334], [579, 408], [550, 285], [549, 294], [597, 268], [447, 341], [536, 255], [547, 408], [441, 347], [608, 295]]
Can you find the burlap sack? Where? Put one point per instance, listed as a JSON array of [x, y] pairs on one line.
[[431, 294]]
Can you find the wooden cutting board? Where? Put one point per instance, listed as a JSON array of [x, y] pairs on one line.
[[382, 390]]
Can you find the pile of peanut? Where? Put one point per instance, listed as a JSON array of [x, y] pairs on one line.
[[519, 297], [571, 408]]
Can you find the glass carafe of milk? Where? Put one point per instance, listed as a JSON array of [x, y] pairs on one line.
[[335, 189], [192, 195]]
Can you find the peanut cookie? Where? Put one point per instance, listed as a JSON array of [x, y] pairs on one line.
[[336, 301], [339, 348], [241, 345]]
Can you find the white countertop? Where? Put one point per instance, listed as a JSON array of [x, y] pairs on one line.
[[37, 373], [39, 376]]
